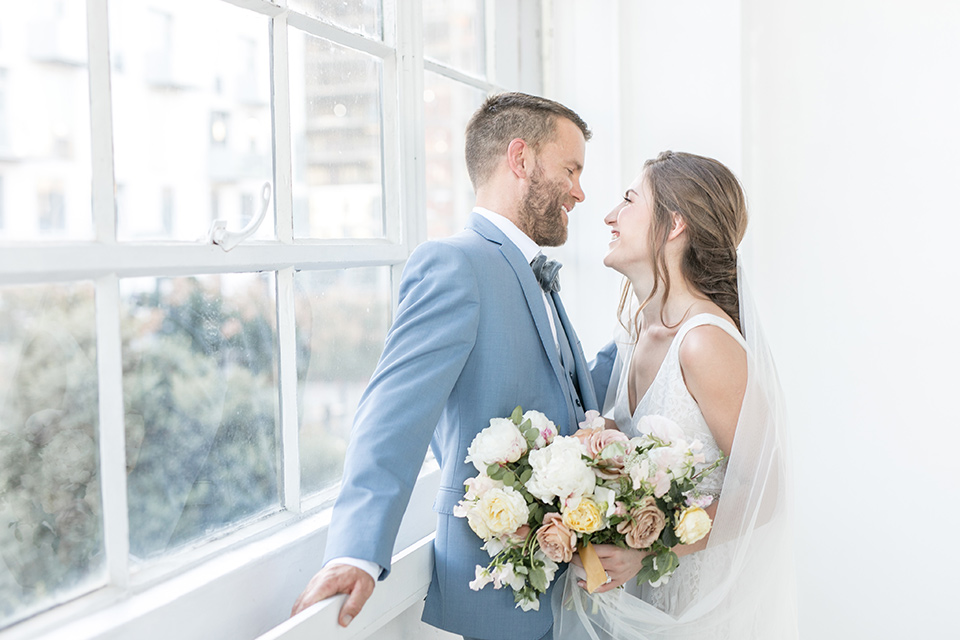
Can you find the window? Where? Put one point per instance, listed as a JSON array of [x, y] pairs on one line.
[[162, 400]]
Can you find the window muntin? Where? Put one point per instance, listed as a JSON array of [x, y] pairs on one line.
[[361, 16], [318, 270]]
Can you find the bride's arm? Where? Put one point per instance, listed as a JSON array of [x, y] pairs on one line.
[[714, 369]]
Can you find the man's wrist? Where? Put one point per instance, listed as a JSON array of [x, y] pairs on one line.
[[371, 568]]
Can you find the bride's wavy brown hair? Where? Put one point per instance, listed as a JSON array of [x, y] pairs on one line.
[[710, 200]]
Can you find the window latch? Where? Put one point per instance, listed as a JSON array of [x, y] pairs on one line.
[[219, 235]]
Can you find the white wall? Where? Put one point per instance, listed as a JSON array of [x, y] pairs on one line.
[[841, 117], [853, 168]]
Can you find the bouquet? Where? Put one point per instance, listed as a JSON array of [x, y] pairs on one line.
[[540, 497]]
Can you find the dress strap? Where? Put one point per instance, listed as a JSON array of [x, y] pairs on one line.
[[708, 318]]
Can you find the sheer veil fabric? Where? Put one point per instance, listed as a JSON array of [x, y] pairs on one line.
[[746, 589]]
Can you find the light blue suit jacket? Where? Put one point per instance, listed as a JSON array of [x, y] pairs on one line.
[[471, 341]]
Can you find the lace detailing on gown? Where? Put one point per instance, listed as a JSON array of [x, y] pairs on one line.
[[668, 396]]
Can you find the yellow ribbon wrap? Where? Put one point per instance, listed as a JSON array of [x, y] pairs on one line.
[[596, 576]]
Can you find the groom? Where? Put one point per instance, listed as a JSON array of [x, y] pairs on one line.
[[475, 335]]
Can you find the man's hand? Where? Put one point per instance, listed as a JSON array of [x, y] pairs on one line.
[[334, 579]]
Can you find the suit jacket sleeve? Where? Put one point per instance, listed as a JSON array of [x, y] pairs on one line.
[[603, 370], [432, 336]]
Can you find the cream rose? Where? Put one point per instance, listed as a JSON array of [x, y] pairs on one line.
[[585, 517], [502, 511], [556, 540], [560, 472], [643, 525], [692, 525], [499, 443]]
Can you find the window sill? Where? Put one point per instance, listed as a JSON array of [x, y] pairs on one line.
[[242, 592]]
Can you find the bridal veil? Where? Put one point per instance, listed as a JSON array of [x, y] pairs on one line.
[[746, 586]]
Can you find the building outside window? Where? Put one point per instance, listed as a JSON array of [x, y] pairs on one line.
[[162, 399]]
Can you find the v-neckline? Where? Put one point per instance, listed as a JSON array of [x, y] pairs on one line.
[[633, 349], [640, 399]]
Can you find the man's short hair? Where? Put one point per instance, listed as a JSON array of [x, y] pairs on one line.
[[506, 116]]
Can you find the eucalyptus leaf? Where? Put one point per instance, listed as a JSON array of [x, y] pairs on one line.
[[517, 415], [669, 537], [538, 579], [667, 562]]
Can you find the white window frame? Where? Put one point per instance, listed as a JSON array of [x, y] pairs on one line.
[[199, 592]]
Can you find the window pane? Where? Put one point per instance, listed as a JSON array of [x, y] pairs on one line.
[[362, 16], [337, 147], [44, 122], [342, 320], [191, 113], [201, 397], [51, 527], [448, 106], [453, 34]]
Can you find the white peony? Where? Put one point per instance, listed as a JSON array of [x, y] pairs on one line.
[[543, 424], [672, 459], [479, 485], [560, 472], [499, 443], [661, 428], [501, 511]]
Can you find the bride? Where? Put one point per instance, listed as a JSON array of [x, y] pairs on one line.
[[692, 351]]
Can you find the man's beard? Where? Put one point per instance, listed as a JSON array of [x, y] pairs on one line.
[[540, 214]]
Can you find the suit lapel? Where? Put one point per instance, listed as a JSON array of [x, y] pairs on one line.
[[531, 292], [584, 379]]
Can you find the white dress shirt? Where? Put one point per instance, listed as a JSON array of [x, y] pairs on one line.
[[530, 250]]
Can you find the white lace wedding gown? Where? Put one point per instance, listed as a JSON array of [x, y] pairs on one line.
[[742, 585], [668, 396]]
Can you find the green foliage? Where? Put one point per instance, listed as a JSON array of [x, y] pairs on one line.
[[201, 407]]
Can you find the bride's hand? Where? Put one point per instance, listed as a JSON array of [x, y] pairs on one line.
[[620, 564]]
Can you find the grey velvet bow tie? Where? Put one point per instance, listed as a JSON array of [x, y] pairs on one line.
[[547, 272]]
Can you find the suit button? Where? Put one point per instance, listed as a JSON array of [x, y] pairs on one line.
[[578, 402]]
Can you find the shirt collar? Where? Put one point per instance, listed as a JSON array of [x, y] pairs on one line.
[[527, 247]]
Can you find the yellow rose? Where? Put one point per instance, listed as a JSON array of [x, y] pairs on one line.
[[692, 525], [585, 517]]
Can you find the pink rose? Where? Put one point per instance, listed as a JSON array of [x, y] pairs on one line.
[[644, 524], [520, 534], [610, 460], [556, 540]]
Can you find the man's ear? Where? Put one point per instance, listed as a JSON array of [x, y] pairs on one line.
[[519, 157], [679, 226]]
